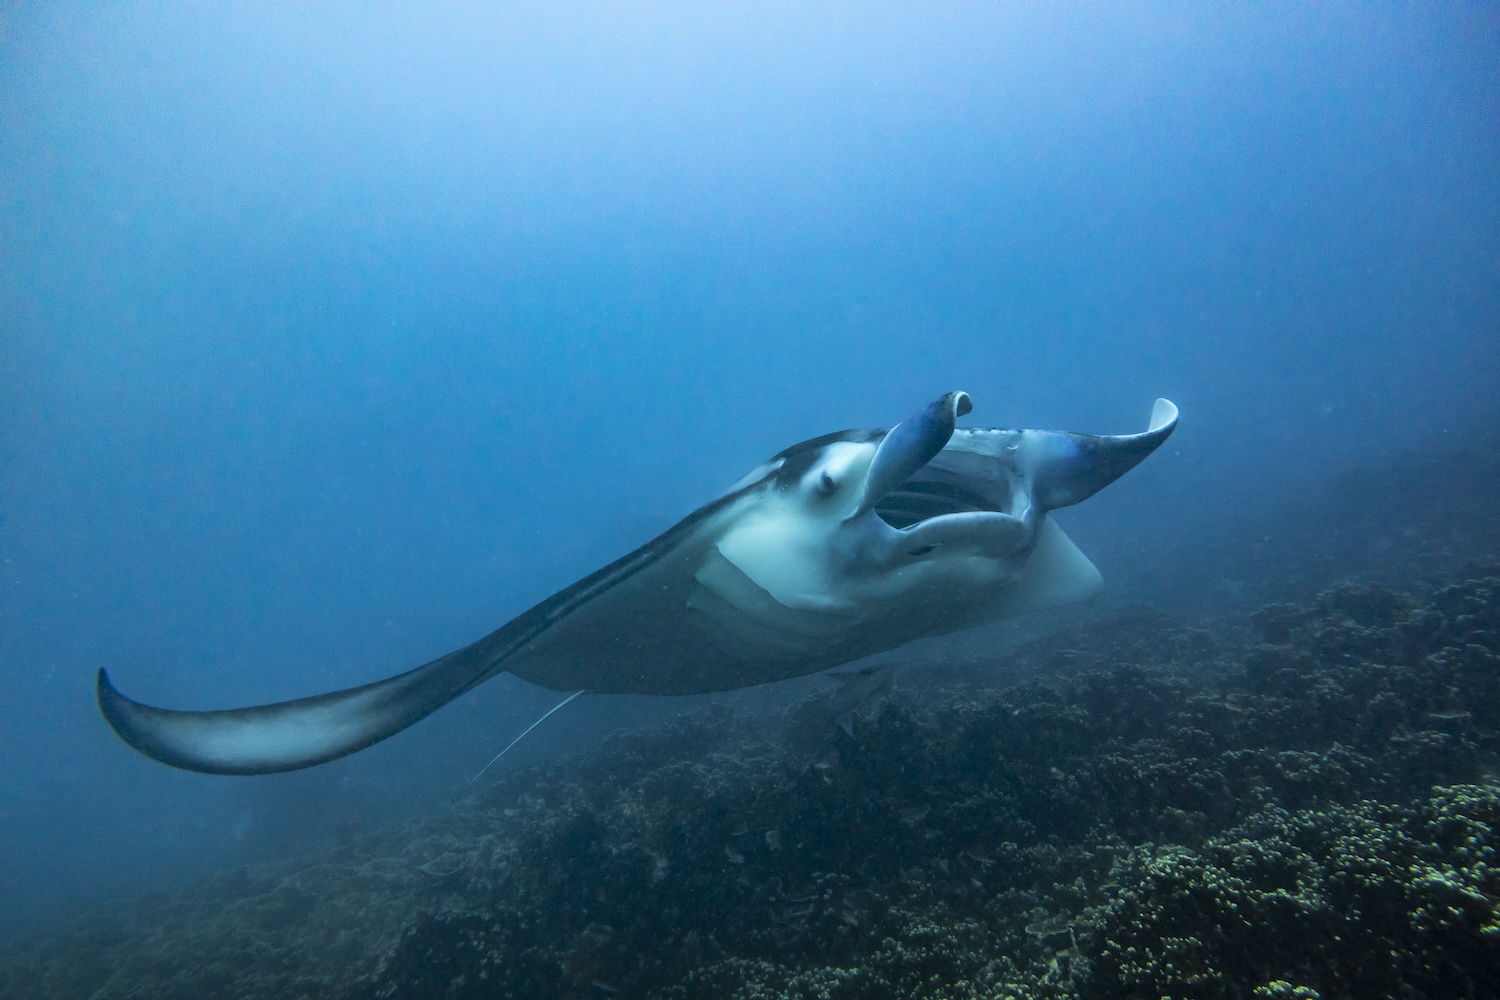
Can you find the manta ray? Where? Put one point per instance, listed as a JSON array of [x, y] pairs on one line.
[[837, 548]]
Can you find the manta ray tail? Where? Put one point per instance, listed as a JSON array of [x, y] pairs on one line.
[[294, 734]]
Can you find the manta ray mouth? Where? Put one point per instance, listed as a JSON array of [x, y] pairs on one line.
[[918, 500]]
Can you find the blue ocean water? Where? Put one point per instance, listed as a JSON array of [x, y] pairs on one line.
[[332, 338]]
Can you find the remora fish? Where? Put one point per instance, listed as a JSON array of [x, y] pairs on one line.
[[837, 548], [856, 689]]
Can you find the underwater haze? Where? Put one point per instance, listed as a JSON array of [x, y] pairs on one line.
[[334, 336]]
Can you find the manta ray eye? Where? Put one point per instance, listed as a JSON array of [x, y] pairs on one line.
[[826, 485]]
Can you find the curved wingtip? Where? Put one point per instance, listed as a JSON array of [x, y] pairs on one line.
[[165, 735], [1163, 416], [116, 708], [1070, 468], [132, 722], [290, 735], [266, 739]]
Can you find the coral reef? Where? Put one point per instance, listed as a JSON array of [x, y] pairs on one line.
[[1157, 812]]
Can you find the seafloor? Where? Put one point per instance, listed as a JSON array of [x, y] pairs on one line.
[[1305, 807], [1295, 801]]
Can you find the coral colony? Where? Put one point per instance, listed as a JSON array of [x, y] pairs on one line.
[[1312, 814]]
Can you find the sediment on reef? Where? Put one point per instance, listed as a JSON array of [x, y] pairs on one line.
[[1312, 815]]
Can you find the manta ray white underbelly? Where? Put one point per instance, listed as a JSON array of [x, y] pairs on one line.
[[846, 545]]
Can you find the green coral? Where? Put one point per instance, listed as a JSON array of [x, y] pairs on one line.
[[1280, 989], [1322, 894]]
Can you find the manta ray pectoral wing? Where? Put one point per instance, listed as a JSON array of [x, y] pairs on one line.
[[294, 734], [1069, 468]]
